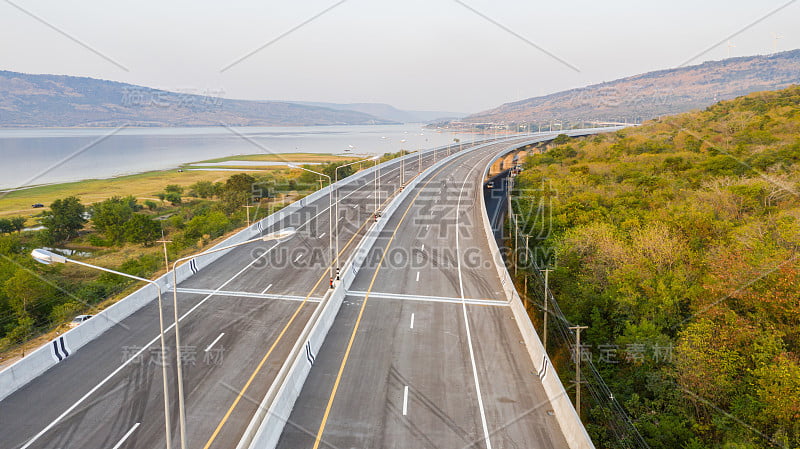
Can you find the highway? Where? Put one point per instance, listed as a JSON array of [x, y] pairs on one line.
[[424, 352], [240, 317]]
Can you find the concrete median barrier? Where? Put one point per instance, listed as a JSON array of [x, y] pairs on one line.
[[267, 425], [571, 425]]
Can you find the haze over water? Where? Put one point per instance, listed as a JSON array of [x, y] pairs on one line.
[[27, 153]]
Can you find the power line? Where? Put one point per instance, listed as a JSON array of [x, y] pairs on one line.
[[617, 420]]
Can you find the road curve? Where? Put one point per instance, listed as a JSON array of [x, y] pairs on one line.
[[418, 355], [240, 317]]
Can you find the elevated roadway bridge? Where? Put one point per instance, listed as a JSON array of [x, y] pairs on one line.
[[424, 351]]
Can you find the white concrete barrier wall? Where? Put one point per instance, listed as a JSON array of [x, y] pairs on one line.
[[267, 425], [43, 358], [563, 410]]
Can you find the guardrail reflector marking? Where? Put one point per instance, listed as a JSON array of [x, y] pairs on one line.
[[60, 351], [309, 354]]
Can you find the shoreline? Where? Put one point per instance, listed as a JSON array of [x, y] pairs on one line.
[[183, 166], [144, 185]]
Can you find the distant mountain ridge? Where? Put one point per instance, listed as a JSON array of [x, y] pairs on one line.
[[66, 101], [653, 94], [388, 112]]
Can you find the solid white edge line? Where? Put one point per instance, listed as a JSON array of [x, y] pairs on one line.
[[138, 353], [154, 340], [221, 293], [412, 321], [213, 342], [466, 320], [125, 437], [405, 401]]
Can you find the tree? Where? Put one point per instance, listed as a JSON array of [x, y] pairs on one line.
[[64, 219], [238, 192], [18, 223], [5, 226], [307, 177], [173, 197], [110, 216], [142, 229], [151, 205], [65, 312], [173, 188], [28, 295], [330, 170], [779, 389], [240, 182], [561, 139], [20, 332], [203, 189], [213, 224]]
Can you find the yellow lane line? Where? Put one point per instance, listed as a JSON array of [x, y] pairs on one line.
[[283, 331], [361, 311]]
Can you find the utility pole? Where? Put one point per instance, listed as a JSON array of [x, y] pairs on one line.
[[402, 164], [402, 169], [164, 241], [248, 214], [527, 261], [546, 298], [578, 330], [377, 191], [515, 218], [510, 186]]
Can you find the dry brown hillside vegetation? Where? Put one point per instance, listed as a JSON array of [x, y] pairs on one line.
[[678, 244], [655, 94]]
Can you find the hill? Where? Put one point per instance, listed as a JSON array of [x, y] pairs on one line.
[[678, 245], [389, 112], [67, 101], [654, 94]]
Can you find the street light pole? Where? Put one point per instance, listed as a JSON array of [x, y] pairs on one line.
[[286, 233], [336, 207], [402, 164], [247, 207], [330, 214], [377, 185], [47, 257]]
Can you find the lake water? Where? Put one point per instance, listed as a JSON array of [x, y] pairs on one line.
[[46, 156]]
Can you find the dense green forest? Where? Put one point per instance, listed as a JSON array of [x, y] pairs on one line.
[[678, 244]]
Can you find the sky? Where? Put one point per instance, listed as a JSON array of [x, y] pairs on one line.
[[445, 55]]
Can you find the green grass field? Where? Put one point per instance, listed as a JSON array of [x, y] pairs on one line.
[[143, 185]]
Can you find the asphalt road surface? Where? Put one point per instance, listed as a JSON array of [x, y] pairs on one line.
[[424, 353], [240, 316]]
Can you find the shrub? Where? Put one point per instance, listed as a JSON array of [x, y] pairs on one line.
[[142, 229]]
